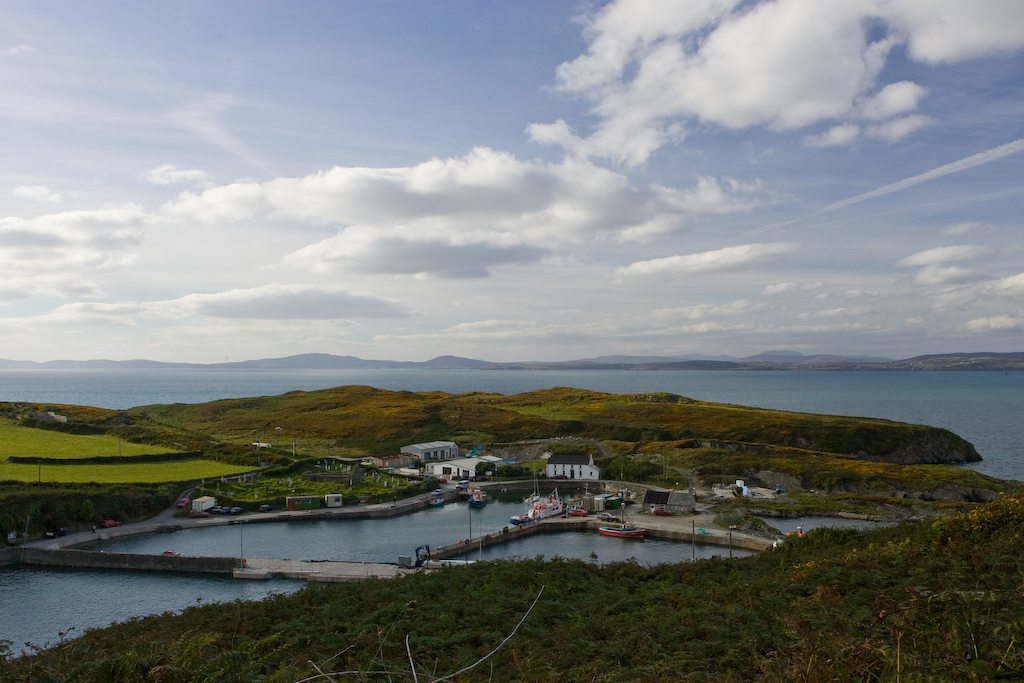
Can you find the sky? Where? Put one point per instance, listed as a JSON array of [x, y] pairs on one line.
[[538, 180]]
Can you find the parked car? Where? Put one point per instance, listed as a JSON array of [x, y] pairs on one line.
[[57, 532], [110, 523], [236, 510], [560, 476], [663, 512], [437, 492], [443, 480], [266, 508], [607, 517], [462, 485], [183, 502], [198, 513], [577, 512]]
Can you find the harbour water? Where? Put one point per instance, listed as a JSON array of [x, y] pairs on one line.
[[36, 605], [57, 600]]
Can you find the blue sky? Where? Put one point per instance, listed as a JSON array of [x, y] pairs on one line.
[[200, 181]]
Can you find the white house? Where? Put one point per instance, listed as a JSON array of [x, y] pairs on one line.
[[573, 467], [433, 450]]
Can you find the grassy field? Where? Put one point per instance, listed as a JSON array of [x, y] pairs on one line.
[[129, 473], [25, 442]]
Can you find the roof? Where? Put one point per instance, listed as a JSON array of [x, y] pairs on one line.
[[680, 498], [656, 497], [432, 444], [570, 460]]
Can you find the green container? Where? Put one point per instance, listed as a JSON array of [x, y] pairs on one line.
[[302, 502]]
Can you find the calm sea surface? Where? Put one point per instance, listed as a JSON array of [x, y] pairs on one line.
[[986, 408]]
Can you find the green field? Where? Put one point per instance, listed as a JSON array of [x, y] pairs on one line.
[[129, 473], [26, 442]]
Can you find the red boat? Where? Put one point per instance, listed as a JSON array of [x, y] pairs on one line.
[[624, 530]]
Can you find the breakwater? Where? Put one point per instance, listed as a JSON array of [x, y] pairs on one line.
[[558, 525], [87, 559]]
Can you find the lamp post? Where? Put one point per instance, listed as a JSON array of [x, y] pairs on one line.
[[277, 431]]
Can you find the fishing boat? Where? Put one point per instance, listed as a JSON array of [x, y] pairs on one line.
[[623, 530], [437, 502], [539, 508], [477, 498]]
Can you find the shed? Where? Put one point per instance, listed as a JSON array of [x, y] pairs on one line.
[[334, 500]]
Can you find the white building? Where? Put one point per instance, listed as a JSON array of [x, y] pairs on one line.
[[572, 467], [455, 468], [433, 450]]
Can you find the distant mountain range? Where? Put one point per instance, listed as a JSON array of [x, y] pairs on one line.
[[769, 360]]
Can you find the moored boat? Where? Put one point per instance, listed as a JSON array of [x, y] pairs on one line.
[[539, 508], [477, 498], [624, 530]]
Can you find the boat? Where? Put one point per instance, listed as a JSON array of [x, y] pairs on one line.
[[437, 502], [477, 498], [539, 508], [171, 553], [623, 530]]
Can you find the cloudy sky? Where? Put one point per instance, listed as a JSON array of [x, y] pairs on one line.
[[530, 180]]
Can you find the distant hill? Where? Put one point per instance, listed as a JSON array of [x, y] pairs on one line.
[[769, 360]]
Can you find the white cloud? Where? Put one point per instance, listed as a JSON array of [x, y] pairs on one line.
[[837, 136], [893, 99], [965, 229], [943, 275], [1012, 286], [19, 49], [894, 131], [780, 288], [996, 323], [37, 192], [653, 67], [459, 217], [963, 252], [60, 248], [835, 312], [743, 257], [172, 175], [267, 302], [700, 311], [291, 302], [951, 30]]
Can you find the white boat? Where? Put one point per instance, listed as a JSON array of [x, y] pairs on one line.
[[539, 508]]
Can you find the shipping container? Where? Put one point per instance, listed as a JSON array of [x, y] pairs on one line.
[[303, 502], [203, 504]]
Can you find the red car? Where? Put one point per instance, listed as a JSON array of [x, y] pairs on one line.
[[577, 513], [663, 513], [110, 523], [183, 502]]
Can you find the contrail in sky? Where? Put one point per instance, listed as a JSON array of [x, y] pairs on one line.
[[962, 165]]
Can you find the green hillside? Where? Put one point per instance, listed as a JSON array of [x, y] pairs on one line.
[[935, 601]]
